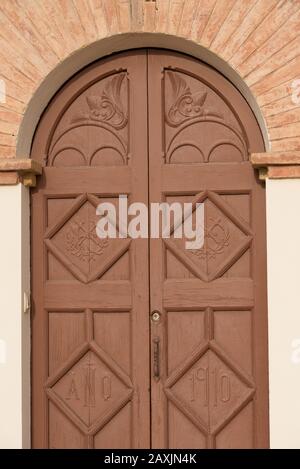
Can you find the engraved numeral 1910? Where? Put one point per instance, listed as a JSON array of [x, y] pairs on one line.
[[210, 386]]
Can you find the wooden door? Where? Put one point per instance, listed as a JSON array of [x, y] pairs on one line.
[[141, 343], [210, 341], [90, 295]]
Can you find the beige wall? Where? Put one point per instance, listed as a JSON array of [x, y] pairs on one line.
[[14, 323], [283, 224]]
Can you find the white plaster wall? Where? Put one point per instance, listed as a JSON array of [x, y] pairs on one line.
[[14, 324], [283, 225]]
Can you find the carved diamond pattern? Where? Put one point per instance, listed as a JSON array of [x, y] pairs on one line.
[[90, 388], [211, 390], [208, 387], [74, 241], [226, 238]]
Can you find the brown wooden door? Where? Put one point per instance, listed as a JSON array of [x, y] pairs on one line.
[[106, 373], [213, 386], [90, 318]]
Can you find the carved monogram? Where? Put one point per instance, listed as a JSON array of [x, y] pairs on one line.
[[186, 105], [82, 241], [107, 108], [216, 239]]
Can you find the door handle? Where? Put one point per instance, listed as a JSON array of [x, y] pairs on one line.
[[156, 357]]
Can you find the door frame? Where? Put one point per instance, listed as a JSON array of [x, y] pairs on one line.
[[79, 60]]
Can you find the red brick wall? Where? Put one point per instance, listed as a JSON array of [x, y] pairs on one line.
[[258, 38]]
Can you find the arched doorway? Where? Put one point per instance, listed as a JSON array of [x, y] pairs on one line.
[[156, 126]]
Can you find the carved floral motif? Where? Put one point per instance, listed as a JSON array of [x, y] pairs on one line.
[[107, 108], [186, 105]]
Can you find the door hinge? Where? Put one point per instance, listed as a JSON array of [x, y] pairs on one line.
[[26, 302]]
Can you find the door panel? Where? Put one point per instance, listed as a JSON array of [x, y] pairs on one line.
[[158, 127], [90, 378], [212, 333]]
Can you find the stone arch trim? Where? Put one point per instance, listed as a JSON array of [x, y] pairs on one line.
[[253, 43]]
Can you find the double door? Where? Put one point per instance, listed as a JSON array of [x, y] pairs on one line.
[[141, 342]]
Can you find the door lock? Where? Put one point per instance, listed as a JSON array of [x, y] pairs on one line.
[[155, 316]]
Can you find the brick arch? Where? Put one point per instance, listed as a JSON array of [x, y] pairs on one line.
[[116, 43], [256, 39]]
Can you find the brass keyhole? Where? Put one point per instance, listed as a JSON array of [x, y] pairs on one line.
[[155, 316]]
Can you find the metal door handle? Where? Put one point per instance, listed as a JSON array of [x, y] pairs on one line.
[[156, 358]]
